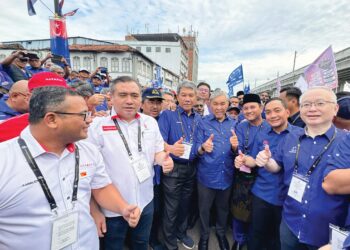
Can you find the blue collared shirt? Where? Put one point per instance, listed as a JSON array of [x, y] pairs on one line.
[[5, 111], [246, 135], [268, 186], [309, 220], [34, 71], [215, 169], [170, 125]]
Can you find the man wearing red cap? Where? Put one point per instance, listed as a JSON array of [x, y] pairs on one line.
[[12, 127]]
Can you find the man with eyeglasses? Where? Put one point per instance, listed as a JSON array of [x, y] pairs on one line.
[[48, 177], [308, 209], [204, 89], [16, 102], [15, 66]]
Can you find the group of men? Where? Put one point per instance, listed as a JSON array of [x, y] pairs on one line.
[[135, 175]]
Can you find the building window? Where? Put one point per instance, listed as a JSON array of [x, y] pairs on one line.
[[167, 50], [104, 62], [114, 64], [126, 65], [148, 49], [87, 63], [76, 63], [158, 49], [138, 48]]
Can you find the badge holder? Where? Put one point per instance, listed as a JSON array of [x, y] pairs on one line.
[[64, 230], [188, 147], [337, 237], [141, 168], [297, 187]]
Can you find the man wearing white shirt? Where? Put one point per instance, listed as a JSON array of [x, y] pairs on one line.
[[46, 180], [131, 144]]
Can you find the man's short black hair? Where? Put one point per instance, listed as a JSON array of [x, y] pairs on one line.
[[277, 99], [241, 92], [292, 92], [204, 84]]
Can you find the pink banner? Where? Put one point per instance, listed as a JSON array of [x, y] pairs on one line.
[[323, 71]]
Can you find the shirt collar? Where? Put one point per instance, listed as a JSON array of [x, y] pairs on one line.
[[287, 129], [116, 116], [35, 148], [212, 117], [182, 111], [329, 133]]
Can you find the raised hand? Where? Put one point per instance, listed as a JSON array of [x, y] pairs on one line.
[[234, 140], [208, 145], [239, 160], [263, 157], [168, 163], [178, 148]]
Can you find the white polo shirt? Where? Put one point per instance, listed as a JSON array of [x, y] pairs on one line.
[[25, 214], [104, 134]]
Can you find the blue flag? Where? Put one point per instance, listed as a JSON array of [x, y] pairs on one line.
[[30, 5], [158, 82], [236, 77], [247, 88]]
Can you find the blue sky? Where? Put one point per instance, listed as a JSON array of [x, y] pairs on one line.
[[262, 35]]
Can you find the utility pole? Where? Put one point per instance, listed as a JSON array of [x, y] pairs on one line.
[[295, 57]]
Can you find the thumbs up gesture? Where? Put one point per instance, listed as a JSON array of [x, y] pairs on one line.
[[208, 145], [167, 163], [178, 148], [234, 140], [239, 160], [263, 157]]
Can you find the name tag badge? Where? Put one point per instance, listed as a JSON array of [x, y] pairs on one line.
[[140, 166], [188, 147], [297, 187], [337, 237], [64, 230]]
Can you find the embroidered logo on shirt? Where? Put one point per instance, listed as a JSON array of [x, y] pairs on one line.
[[83, 174], [87, 164], [293, 150], [109, 128]]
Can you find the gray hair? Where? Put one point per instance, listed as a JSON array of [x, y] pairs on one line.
[[333, 96], [123, 79], [47, 99], [76, 84], [188, 85], [105, 91], [54, 67], [218, 93], [85, 90]]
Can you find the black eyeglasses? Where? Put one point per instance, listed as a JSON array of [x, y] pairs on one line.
[[86, 114]]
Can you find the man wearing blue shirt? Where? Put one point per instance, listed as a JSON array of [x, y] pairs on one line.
[[35, 64], [216, 142], [16, 102], [244, 177], [308, 209], [268, 189], [178, 129]]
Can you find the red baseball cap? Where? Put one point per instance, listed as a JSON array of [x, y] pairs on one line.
[[46, 79]]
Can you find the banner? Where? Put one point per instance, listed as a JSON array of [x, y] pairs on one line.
[[158, 82], [30, 6], [58, 35], [323, 71], [301, 84]]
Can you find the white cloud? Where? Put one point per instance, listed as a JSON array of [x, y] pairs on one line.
[[262, 35]]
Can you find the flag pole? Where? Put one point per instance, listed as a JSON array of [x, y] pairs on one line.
[[46, 7], [56, 8]]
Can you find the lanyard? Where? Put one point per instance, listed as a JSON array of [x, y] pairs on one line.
[[317, 160], [296, 118], [246, 139], [183, 130], [124, 140], [41, 179]]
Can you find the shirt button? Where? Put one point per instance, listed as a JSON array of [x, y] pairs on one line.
[[68, 197], [305, 202], [64, 178], [312, 156], [308, 186], [314, 142], [304, 216]]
